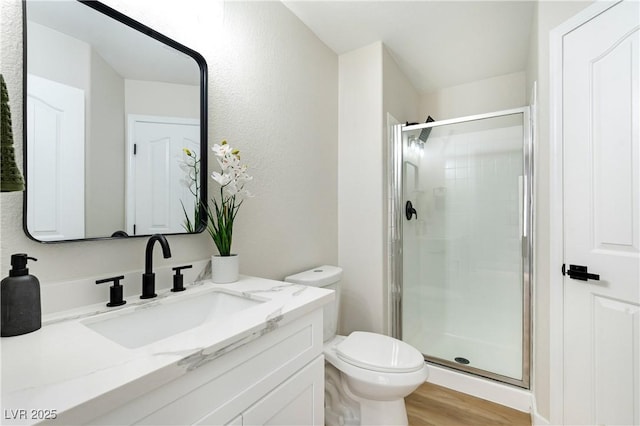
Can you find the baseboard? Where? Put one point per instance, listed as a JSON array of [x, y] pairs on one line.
[[509, 396], [536, 418]]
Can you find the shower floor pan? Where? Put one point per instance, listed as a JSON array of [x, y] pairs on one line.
[[482, 356]]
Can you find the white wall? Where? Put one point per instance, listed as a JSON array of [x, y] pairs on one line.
[[160, 98], [478, 97], [399, 97], [105, 152], [273, 93], [371, 85], [360, 193], [65, 59], [274, 96]]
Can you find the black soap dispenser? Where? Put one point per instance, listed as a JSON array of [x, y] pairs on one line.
[[21, 310]]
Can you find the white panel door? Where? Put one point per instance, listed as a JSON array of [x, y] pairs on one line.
[[602, 218], [157, 184], [55, 160]]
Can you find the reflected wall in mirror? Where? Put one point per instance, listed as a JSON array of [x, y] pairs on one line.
[[115, 114]]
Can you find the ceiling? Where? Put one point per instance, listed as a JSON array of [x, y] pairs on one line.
[[436, 43]]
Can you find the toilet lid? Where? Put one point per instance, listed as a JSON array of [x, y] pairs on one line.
[[377, 352]]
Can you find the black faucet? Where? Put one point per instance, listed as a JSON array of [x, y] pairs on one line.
[[149, 278]]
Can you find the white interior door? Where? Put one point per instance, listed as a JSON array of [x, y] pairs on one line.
[[55, 160], [601, 155], [157, 183]]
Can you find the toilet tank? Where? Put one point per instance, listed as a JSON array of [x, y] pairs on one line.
[[325, 276]]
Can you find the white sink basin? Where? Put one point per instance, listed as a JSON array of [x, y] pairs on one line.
[[140, 325]]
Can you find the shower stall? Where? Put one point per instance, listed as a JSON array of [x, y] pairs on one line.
[[460, 257]]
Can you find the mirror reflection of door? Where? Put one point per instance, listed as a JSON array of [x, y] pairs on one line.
[[158, 182], [55, 164]]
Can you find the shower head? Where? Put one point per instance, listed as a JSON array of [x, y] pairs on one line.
[[424, 134]]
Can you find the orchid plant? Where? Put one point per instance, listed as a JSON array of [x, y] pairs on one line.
[[232, 179], [191, 167]]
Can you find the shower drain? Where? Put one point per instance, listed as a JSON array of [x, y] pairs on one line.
[[461, 360]]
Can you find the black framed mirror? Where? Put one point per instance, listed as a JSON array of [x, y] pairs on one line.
[[115, 126]]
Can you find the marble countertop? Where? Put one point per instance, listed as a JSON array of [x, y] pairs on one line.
[[65, 363]]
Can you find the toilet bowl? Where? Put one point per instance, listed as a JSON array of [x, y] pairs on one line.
[[367, 375]]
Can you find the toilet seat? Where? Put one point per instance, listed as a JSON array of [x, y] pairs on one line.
[[377, 352], [370, 376]]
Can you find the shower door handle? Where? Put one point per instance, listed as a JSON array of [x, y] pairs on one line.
[[409, 211]]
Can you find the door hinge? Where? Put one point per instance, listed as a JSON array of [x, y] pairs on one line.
[[134, 229], [135, 148]]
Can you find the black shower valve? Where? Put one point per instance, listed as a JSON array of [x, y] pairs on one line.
[[409, 211]]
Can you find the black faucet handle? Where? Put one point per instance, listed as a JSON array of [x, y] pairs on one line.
[[178, 278], [115, 291], [180, 268]]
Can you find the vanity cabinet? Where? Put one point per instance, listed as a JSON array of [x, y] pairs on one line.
[[276, 378], [294, 402]]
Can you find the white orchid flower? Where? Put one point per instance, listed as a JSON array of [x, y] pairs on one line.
[[221, 178], [228, 162], [221, 150]]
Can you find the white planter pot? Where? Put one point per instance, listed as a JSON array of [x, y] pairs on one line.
[[225, 269]]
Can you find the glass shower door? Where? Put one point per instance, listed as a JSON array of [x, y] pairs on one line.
[[465, 262]]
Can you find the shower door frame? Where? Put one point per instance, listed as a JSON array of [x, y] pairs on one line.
[[395, 228]]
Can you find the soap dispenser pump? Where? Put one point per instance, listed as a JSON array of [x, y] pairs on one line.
[[20, 292]]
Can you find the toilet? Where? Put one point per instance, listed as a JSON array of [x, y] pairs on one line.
[[367, 375]]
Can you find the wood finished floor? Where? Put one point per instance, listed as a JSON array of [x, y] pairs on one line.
[[433, 405]]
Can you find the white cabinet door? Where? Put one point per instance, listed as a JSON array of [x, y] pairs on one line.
[[297, 401]]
